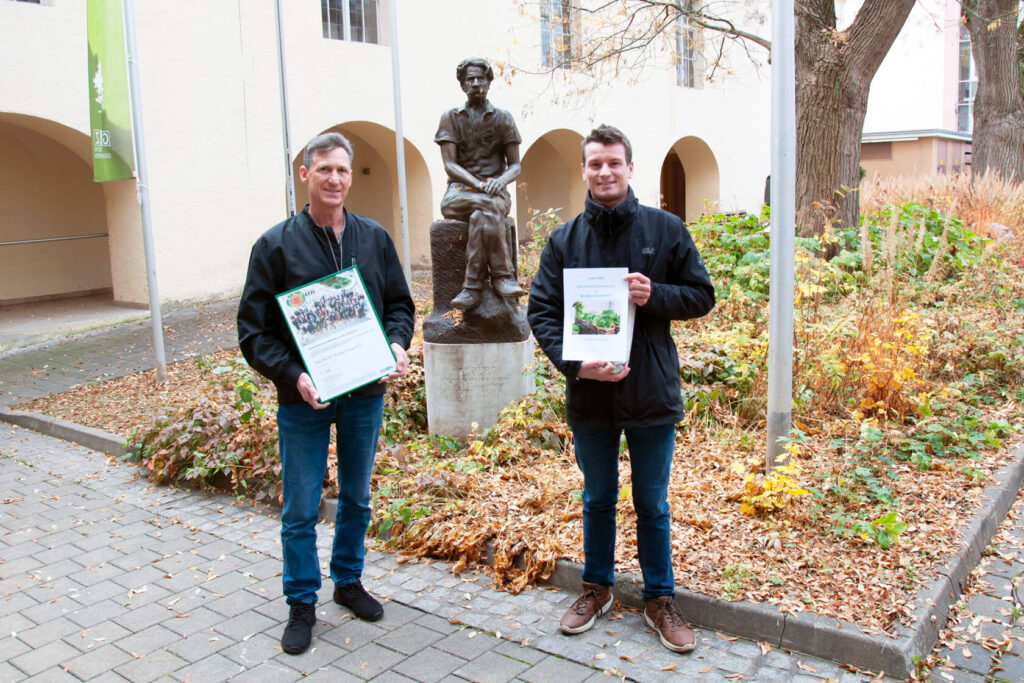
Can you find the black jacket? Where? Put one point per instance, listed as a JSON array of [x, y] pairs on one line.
[[297, 251], [645, 240]]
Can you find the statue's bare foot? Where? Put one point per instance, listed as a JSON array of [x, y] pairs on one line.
[[507, 287], [466, 299]]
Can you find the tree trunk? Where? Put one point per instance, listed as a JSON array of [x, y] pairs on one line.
[[999, 103], [833, 76]]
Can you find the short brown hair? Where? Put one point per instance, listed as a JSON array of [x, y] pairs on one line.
[[608, 135]]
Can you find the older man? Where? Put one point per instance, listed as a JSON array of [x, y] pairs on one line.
[[322, 239], [667, 281], [480, 149]]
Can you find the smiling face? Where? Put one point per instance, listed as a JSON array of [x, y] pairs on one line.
[[475, 84], [328, 178], [607, 172]]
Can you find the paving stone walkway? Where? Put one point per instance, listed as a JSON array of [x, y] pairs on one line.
[[107, 577]]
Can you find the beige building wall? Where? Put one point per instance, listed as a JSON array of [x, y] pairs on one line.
[[921, 156], [212, 119], [552, 178]]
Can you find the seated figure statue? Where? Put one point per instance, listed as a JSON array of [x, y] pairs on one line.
[[480, 149]]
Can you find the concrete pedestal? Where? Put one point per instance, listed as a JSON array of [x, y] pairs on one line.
[[469, 383]]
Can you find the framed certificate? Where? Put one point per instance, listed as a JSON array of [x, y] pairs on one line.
[[598, 320], [336, 330]]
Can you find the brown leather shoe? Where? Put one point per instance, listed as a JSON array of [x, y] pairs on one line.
[[594, 601], [663, 615]]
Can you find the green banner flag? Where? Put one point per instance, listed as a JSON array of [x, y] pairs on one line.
[[109, 108]]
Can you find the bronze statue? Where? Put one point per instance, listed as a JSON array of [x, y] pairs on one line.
[[480, 149]]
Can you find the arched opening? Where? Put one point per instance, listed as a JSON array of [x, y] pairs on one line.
[[53, 238], [374, 190], [550, 179], [689, 179], [673, 185]]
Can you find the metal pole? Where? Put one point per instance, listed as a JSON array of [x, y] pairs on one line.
[[783, 228], [403, 202], [289, 179], [142, 187]]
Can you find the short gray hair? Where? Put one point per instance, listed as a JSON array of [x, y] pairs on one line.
[[324, 143]]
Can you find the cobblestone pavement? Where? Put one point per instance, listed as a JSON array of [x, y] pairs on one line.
[[106, 576], [984, 639], [56, 366]]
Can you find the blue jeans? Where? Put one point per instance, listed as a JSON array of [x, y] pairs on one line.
[[650, 458], [303, 437]]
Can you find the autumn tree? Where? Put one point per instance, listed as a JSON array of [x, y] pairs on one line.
[[998, 46], [834, 68]]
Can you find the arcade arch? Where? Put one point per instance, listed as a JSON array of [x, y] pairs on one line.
[[689, 179], [550, 178], [375, 185], [54, 237]]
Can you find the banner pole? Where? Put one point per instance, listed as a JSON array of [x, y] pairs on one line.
[[142, 185], [289, 178]]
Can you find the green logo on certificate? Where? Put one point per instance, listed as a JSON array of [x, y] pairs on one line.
[[296, 300]]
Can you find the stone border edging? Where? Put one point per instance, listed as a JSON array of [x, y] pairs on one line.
[[95, 439], [809, 633]]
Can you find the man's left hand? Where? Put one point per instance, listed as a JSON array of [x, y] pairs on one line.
[[639, 288], [401, 363]]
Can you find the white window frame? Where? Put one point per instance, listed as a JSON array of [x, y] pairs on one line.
[[556, 24], [688, 63], [343, 8], [966, 103]]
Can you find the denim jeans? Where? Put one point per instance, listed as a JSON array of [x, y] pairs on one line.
[[650, 457], [304, 434]]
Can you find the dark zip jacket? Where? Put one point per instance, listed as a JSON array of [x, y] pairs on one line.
[[297, 251], [648, 241]]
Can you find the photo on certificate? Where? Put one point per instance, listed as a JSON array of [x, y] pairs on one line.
[[598, 314], [337, 332]]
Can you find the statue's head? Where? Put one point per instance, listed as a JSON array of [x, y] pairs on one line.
[[463, 67]]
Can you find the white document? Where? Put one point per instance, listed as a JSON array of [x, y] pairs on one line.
[[598, 315], [338, 334]]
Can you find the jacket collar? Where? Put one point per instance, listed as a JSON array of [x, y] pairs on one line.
[[608, 221]]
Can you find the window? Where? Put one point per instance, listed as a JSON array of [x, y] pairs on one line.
[[555, 33], [967, 86], [687, 47], [354, 20]]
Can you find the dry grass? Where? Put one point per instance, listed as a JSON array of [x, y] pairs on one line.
[[979, 202]]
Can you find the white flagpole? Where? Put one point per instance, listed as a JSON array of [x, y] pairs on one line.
[[403, 201], [142, 185]]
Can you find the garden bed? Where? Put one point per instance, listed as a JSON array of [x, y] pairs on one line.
[[908, 391]]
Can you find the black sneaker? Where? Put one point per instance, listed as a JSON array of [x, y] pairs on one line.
[[362, 604], [299, 631]]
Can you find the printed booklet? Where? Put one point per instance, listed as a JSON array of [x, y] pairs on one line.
[[598, 321]]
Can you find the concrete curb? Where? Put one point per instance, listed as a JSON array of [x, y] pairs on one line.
[[95, 439], [808, 633]]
